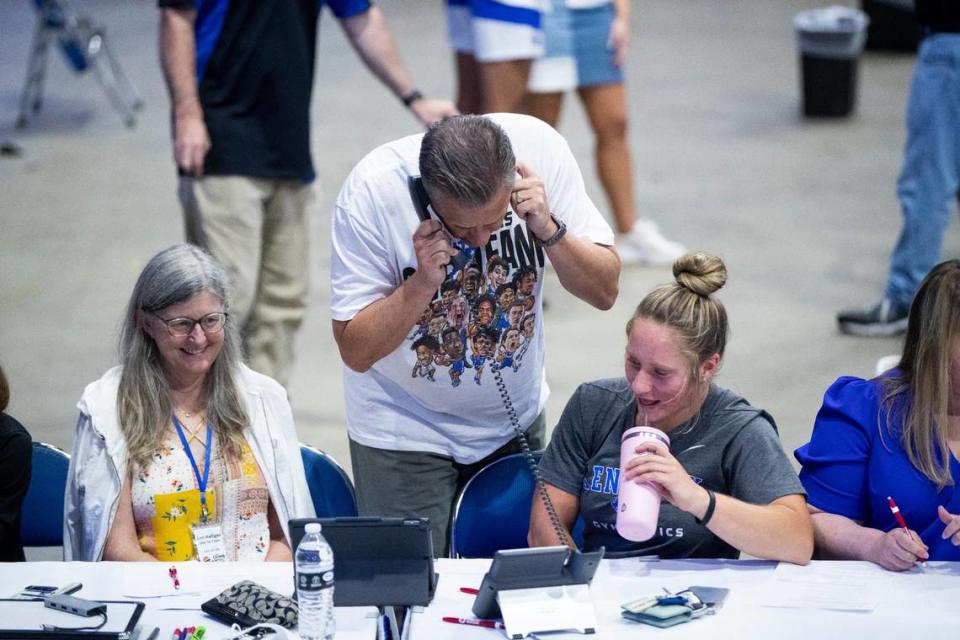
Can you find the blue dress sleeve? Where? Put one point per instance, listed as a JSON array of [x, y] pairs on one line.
[[835, 461]]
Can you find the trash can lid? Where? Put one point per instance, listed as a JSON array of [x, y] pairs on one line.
[[833, 19]]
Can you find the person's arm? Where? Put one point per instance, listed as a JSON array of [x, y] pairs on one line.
[[619, 39], [122, 543], [374, 43], [279, 550], [382, 326], [542, 532], [587, 270], [779, 530], [840, 538], [178, 58], [16, 455]]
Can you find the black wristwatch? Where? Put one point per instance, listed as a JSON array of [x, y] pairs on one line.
[[558, 235], [411, 97]]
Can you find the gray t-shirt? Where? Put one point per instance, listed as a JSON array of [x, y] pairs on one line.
[[729, 447]]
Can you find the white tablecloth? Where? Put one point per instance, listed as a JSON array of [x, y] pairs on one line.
[[908, 605], [173, 609]]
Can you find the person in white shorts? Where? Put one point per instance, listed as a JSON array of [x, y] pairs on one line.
[[495, 42], [586, 47]]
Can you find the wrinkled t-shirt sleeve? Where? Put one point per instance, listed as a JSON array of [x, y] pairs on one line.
[[835, 460], [564, 462], [360, 261], [755, 466]]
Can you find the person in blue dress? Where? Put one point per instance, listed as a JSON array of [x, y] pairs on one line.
[[895, 436]]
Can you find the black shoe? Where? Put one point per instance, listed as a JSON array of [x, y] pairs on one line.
[[886, 318]]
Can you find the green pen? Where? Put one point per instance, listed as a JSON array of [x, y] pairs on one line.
[[198, 633]]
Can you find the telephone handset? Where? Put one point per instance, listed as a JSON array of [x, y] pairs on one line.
[[421, 202]]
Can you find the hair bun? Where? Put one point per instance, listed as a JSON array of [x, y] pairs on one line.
[[700, 272]]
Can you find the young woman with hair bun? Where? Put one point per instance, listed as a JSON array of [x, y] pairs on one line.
[[727, 486]]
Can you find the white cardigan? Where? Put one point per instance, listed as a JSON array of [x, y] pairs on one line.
[[99, 460]]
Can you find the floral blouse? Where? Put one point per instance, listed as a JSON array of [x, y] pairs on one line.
[[166, 501]]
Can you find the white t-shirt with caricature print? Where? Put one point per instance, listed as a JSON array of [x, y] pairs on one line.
[[436, 392]]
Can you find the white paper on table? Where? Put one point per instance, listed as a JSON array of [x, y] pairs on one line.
[[836, 585]]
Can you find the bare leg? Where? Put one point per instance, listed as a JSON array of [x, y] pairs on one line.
[[504, 85], [606, 106], [545, 106], [469, 92]]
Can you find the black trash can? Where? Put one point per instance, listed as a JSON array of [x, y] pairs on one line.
[[893, 25], [830, 41]]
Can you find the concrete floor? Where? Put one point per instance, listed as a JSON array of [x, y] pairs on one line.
[[804, 213]]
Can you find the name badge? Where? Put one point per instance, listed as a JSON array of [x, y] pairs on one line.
[[208, 544]]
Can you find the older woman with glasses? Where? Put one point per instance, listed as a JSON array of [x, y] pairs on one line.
[[183, 452]]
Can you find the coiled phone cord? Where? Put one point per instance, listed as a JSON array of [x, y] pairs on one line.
[[558, 527]]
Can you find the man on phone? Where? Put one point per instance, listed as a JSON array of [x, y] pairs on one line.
[[502, 187]]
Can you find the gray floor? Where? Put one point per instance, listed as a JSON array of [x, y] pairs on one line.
[[803, 212]]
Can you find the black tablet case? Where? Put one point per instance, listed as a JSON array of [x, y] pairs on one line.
[[38, 633], [377, 561]]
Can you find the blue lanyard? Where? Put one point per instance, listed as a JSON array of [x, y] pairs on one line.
[[201, 482]]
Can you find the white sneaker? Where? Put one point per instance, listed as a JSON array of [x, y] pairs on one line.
[[646, 245]]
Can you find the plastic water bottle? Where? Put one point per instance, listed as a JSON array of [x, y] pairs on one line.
[[638, 503], [314, 564]]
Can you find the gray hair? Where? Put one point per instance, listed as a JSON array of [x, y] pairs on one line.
[[144, 407], [468, 158]]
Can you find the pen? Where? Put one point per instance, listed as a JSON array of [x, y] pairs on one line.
[[489, 624], [895, 510], [469, 590], [176, 580], [153, 634], [176, 634]]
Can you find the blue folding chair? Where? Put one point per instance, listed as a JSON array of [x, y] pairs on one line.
[[42, 521], [330, 487], [493, 510]]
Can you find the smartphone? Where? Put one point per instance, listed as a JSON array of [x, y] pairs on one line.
[[40, 591]]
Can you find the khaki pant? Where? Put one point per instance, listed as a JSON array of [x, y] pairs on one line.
[[415, 483], [258, 230]]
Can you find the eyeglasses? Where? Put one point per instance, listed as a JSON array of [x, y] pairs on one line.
[[179, 327]]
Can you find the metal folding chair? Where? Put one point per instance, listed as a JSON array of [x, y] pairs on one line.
[[332, 492], [84, 45], [493, 510], [42, 521]]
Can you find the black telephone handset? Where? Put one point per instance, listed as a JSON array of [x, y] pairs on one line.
[[421, 202]]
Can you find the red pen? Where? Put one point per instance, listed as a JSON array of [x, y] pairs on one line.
[[173, 574], [895, 510], [469, 590], [489, 624]]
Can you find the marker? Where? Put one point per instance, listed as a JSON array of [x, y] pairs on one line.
[[469, 590], [153, 634], [489, 624], [176, 634], [176, 581], [895, 510]]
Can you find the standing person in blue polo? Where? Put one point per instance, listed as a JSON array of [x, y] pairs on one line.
[[239, 74], [930, 177]]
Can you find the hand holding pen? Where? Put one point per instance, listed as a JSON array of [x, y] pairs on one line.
[[901, 548]]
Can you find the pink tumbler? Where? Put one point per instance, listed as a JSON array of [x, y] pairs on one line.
[[638, 503]]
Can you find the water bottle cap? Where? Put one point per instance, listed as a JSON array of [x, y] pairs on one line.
[[313, 527]]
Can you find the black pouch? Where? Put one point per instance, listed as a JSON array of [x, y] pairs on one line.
[[248, 603]]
